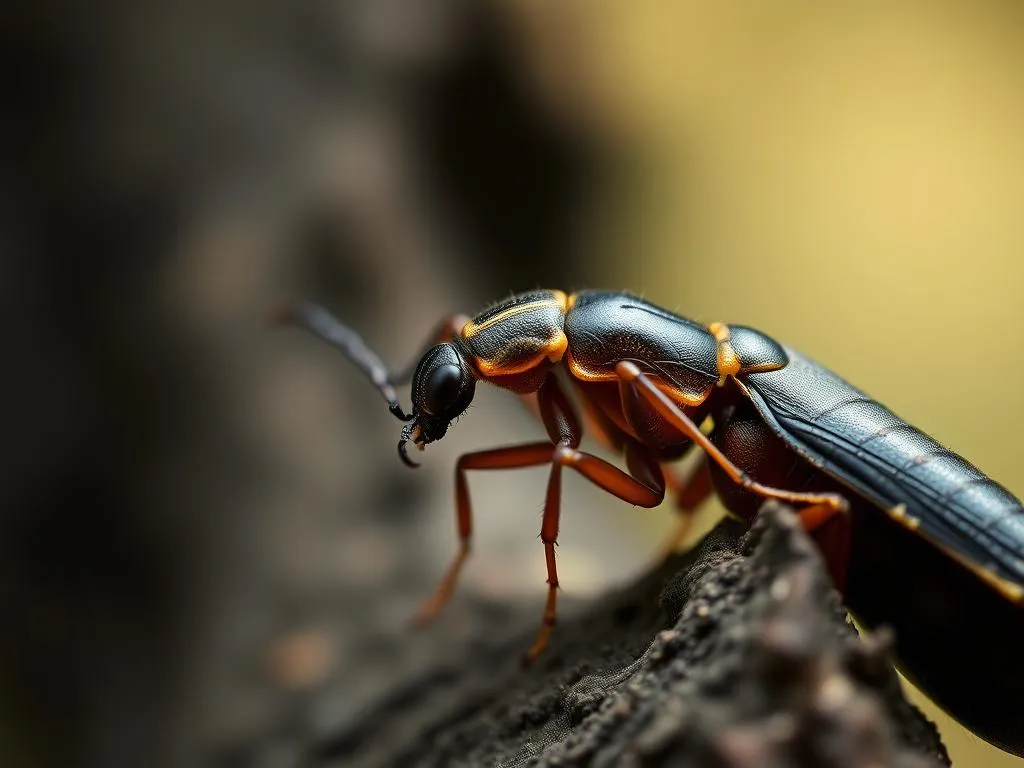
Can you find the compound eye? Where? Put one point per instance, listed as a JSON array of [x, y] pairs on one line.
[[442, 391]]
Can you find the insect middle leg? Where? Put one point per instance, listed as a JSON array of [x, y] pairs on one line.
[[644, 485], [688, 489]]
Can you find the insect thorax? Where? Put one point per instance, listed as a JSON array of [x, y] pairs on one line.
[[514, 343]]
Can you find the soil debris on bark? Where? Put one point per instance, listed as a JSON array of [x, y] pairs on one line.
[[737, 653]]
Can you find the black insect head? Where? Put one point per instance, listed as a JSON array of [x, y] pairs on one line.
[[442, 388]]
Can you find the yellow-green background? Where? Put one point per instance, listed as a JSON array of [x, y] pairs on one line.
[[846, 176]]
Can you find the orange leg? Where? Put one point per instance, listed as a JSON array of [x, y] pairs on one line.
[[632, 378], [831, 529], [595, 423], [512, 457], [689, 490], [823, 514], [643, 486]]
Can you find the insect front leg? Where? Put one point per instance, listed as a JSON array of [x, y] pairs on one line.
[[643, 485], [511, 457]]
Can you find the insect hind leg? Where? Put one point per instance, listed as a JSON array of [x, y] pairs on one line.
[[758, 452], [744, 448]]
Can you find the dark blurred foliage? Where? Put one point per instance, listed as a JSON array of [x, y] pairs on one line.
[[128, 127]]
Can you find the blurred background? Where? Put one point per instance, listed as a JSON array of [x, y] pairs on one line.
[[204, 529]]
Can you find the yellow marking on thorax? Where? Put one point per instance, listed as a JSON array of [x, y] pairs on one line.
[[558, 347], [552, 351], [728, 360], [679, 396], [559, 300]]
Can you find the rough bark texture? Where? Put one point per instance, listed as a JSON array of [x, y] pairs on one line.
[[171, 170], [736, 654]]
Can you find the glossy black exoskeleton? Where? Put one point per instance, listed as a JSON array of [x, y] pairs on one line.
[[917, 537]]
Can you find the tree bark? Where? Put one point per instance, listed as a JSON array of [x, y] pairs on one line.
[[738, 653]]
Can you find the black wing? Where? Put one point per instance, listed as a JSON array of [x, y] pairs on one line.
[[866, 446]]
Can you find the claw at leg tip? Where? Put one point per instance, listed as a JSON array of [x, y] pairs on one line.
[[404, 456]]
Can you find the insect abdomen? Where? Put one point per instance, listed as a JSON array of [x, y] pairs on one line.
[[866, 445]]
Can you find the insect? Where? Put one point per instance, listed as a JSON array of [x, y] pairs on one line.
[[916, 537]]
